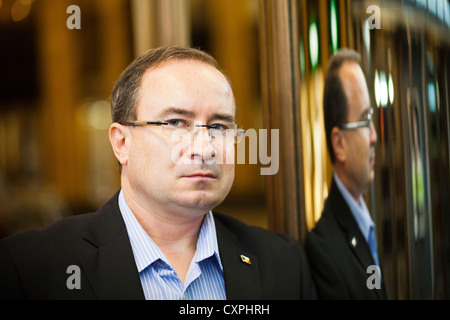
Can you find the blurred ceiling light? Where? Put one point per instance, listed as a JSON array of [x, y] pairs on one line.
[[377, 88], [366, 34], [440, 9], [422, 3], [92, 115], [314, 44], [302, 59], [20, 10], [447, 13], [98, 116], [384, 93], [391, 89], [438, 101], [432, 6], [431, 96], [334, 26]]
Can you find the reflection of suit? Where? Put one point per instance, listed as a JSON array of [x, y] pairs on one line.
[[34, 264], [339, 254]]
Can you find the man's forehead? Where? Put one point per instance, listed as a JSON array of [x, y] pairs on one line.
[[350, 70], [352, 77], [173, 84], [355, 88], [185, 72]]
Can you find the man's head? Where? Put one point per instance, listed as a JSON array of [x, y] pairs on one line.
[[350, 136], [127, 90], [179, 87]]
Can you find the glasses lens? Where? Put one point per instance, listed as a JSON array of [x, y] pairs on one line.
[[216, 133], [222, 133]]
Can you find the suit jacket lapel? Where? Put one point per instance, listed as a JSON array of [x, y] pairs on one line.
[[355, 239], [111, 269], [242, 279]]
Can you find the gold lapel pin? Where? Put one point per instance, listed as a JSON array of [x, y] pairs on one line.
[[245, 259], [354, 242]]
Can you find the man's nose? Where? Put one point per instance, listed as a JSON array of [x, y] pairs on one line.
[[202, 148], [373, 133]]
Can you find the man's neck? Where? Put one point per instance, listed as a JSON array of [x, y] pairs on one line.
[[175, 235], [348, 185]]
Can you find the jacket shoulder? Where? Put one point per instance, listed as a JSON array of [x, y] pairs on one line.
[[283, 267], [37, 252], [63, 233], [254, 236], [51, 235], [327, 228], [29, 259]]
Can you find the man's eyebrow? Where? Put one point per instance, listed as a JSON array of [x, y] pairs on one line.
[[176, 111], [169, 111], [223, 117]]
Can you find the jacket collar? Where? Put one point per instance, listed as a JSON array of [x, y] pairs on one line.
[[241, 270], [346, 221], [111, 269], [354, 238]]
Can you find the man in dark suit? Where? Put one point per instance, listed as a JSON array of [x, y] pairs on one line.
[[341, 248], [173, 133]]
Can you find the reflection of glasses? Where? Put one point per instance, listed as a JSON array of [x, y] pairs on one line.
[[359, 124], [177, 128]]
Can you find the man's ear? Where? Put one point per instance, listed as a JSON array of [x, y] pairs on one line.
[[338, 143], [118, 135]]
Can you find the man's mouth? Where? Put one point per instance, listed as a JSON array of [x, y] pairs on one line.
[[201, 175], [372, 159]]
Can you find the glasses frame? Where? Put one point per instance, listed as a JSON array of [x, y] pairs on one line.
[[137, 123], [359, 124]]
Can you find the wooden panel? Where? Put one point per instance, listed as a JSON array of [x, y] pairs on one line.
[[280, 95]]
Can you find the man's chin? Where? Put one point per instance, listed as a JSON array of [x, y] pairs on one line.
[[201, 201], [371, 175], [369, 181]]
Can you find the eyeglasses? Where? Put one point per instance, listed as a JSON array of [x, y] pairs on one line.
[[359, 124], [217, 132]]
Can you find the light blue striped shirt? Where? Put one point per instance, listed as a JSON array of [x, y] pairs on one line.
[[204, 279], [359, 211]]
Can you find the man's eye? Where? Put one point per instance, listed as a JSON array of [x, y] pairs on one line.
[[219, 126], [178, 123]]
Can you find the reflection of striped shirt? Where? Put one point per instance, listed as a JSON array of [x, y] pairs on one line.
[[159, 280]]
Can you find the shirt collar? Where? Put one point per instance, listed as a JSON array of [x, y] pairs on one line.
[[360, 212], [146, 252]]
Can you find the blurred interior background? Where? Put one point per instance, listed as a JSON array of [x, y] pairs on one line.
[[55, 156]]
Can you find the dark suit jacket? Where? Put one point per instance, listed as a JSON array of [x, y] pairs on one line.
[[33, 265], [338, 263]]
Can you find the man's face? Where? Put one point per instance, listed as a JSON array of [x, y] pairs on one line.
[[188, 175], [359, 143]]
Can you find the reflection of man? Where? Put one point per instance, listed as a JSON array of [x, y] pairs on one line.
[[342, 246], [157, 238]]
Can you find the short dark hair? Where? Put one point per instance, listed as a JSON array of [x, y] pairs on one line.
[[335, 104], [126, 92]]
